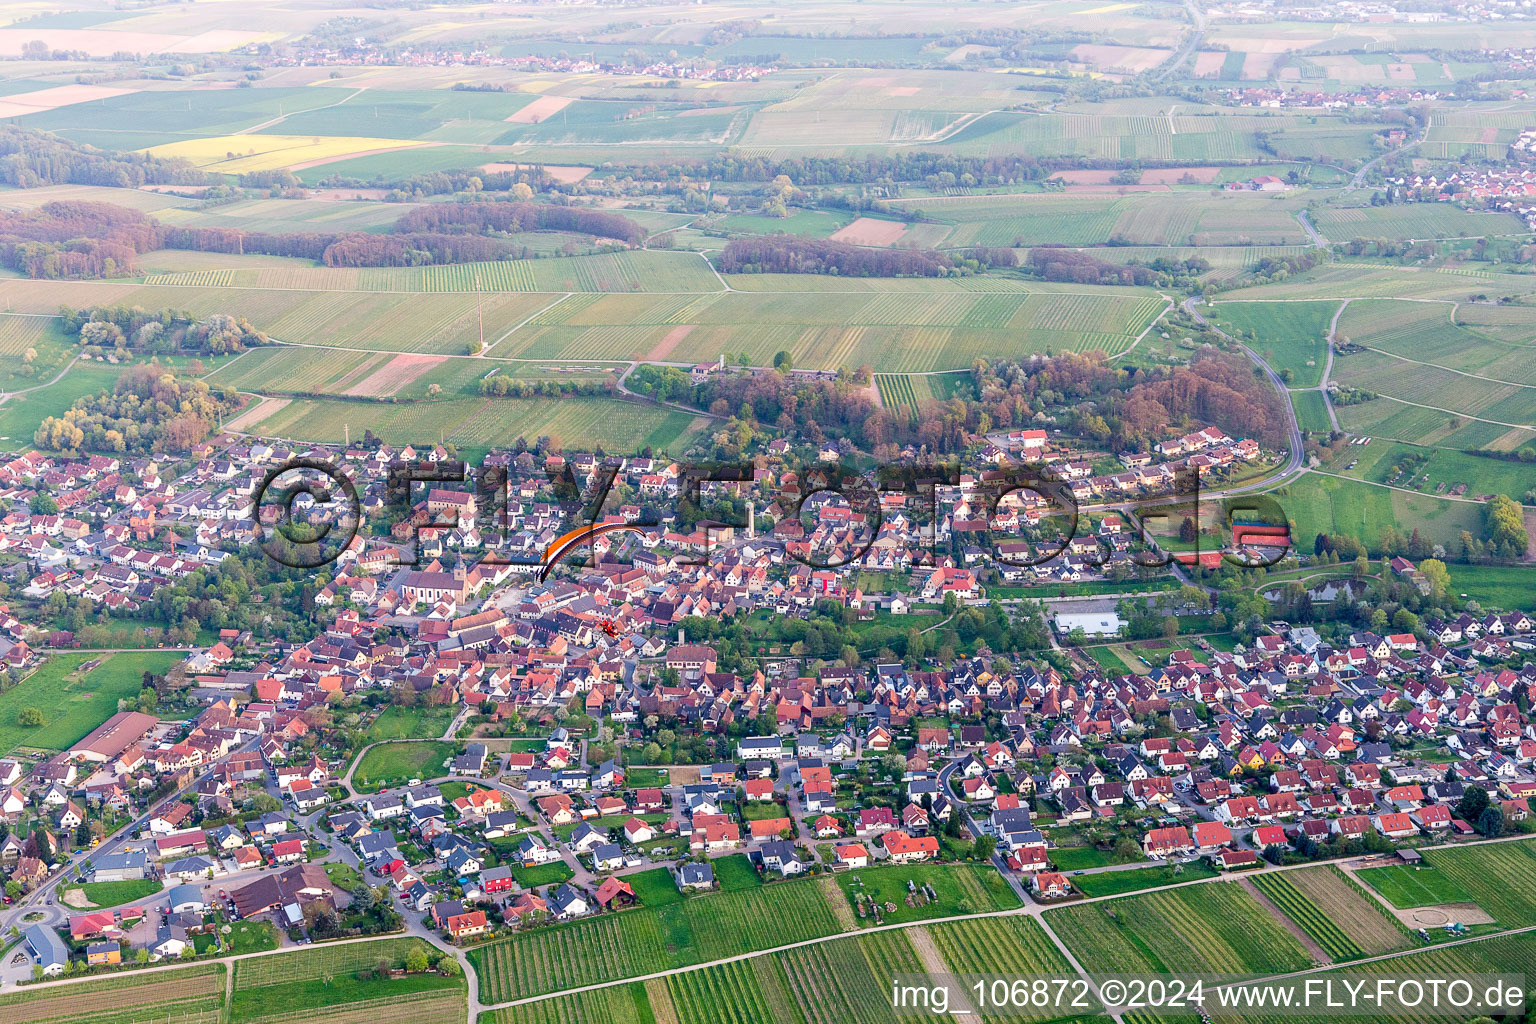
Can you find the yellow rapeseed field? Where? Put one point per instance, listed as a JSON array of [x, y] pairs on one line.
[[243, 154]]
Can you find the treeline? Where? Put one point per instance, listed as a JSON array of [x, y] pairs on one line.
[[126, 329], [786, 254], [1056, 264], [479, 218], [75, 240], [502, 386], [1278, 268], [149, 408], [876, 168], [31, 159], [303, 246], [438, 183]]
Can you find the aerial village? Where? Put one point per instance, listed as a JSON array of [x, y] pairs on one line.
[[463, 748]]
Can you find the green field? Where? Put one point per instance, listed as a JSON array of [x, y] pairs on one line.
[[1114, 883], [323, 977], [390, 764], [1406, 886], [115, 894], [1289, 335], [1499, 877], [1497, 955], [735, 872], [541, 875], [73, 704], [1316, 922], [960, 888], [646, 940], [620, 1004], [21, 413], [907, 325], [1324, 504], [1495, 586], [656, 887], [849, 979], [1311, 411], [419, 723], [1213, 927], [1412, 220], [999, 945], [1148, 218]]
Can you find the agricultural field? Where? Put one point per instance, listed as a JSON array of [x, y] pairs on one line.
[[1499, 877], [1330, 908], [1115, 883], [73, 702], [960, 889], [913, 390], [1502, 954], [247, 154], [1415, 221], [632, 271], [910, 332], [1094, 218], [619, 1004], [646, 940], [1323, 504], [338, 982], [441, 1005], [998, 945], [38, 335], [753, 991], [1289, 335], [848, 980], [1214, 927], [1333, 281], [390, 764], [478, 423], [191, 996]]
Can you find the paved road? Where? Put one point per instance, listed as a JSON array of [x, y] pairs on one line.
[[1317, 240], [1197, 16], [1293, 465], [1366, 168]]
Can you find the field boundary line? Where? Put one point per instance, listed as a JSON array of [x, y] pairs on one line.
[[1447, 369], [280, 118], [1151, 324], [522, 323], [1456, 412]]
